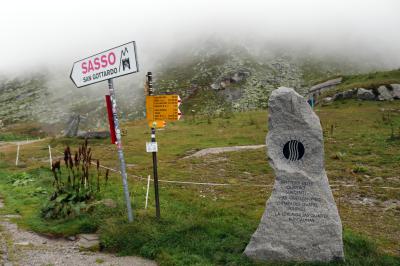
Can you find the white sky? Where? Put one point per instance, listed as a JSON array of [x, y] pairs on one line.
[[49, 33]]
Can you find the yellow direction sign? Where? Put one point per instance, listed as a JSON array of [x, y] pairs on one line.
[[163, 107]]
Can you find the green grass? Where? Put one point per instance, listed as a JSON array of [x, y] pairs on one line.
[[203, 225], [11, 137]]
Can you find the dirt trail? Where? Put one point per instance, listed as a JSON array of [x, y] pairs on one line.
[[4, 145], [21, 247], [223, 149]]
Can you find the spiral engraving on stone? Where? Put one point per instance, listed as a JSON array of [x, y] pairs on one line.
[[293, 150]]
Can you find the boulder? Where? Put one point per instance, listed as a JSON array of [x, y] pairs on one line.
[[384, 94], [349, 94], [93, 134], [338, 96], [395, 91], [301, 221], [89, 242], [327, 100], [364, 94]]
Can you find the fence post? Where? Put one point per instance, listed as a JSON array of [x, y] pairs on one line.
[[50, 158], [147, 192], [16, 160]]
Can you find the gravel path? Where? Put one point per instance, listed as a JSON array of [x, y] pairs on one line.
[[21, 247], [223, 149], [20, 142]]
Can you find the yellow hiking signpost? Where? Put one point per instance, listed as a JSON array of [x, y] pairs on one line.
[[159, 108], [162, 108]]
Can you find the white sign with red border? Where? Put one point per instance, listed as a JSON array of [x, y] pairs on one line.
[[115, 62]]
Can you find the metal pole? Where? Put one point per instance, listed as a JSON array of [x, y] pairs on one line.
[[153, 139], [120, 152]]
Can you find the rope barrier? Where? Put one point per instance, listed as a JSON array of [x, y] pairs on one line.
[[219, 184], [227, 184]]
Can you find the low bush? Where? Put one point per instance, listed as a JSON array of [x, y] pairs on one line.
[[74, 190]]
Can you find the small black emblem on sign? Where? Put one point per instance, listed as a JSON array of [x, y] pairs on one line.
[[293, 150], [125, 64]]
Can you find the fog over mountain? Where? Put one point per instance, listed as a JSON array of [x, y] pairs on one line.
[[43, 38], [42, 33]]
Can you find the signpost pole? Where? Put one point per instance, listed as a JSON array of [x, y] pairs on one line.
[[153, 139], [120, 152]]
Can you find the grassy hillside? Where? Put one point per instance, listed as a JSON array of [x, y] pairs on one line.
[[211, 225], [367, 81]]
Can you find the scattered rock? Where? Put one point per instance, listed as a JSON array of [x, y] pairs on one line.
[[89, 242], [94, 134], [24, 243], [395, 91], [364, 94], [327, 100], [349, 94], [71, 238], [369, 201], [384, 94], [392, 204], [345, 95]]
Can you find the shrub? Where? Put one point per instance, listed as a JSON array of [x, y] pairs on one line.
[[73, 193]]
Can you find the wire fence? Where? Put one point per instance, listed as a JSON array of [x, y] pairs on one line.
[[333, 185]]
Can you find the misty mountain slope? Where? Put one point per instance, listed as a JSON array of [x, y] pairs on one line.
[[47, 99], [20, 97], [220, 76], [212, 77]]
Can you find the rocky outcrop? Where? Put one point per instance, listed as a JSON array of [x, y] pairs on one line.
[[382, 93], [345, 95], [329, 84], [72, 126]]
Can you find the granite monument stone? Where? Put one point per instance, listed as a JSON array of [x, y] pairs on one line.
[[301, 221]]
